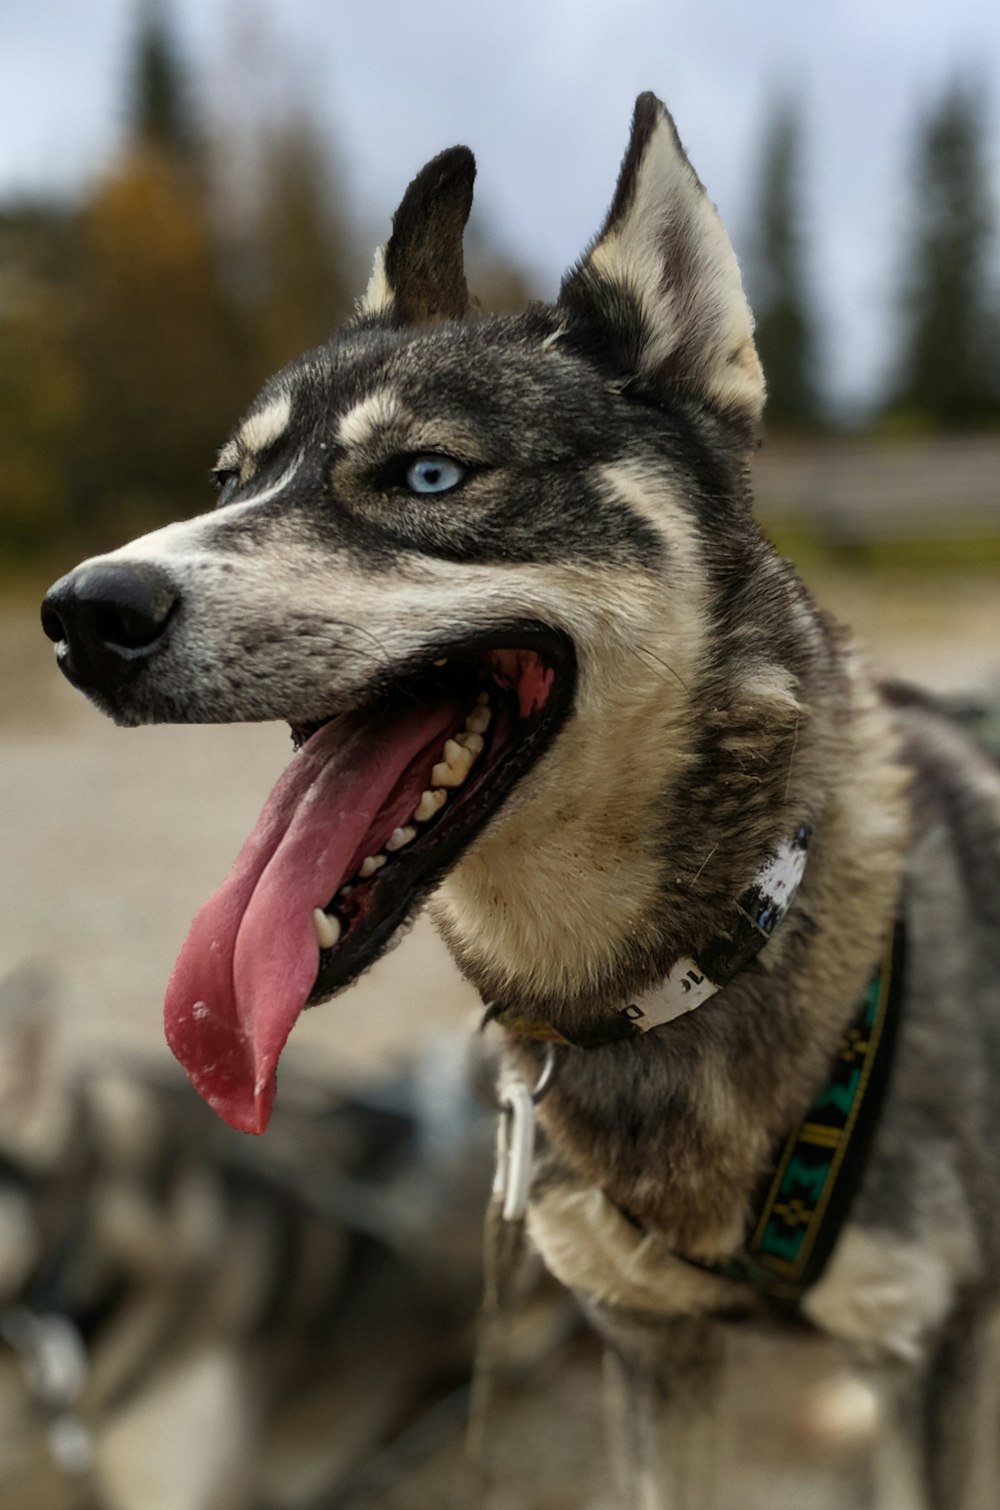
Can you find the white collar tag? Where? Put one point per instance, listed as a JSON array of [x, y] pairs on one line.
[[758, 912]]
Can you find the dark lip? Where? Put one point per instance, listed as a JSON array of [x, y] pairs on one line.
[[399, 889]]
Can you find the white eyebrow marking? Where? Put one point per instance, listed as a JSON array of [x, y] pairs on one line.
[[376, 412], [263, 428]]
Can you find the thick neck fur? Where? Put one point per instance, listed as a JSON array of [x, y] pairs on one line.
[[633, 851]]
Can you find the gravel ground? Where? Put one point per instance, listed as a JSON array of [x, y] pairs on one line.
[[112, 840]]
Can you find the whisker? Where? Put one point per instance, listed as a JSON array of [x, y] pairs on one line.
[[642, 650], [697, 875], [791, 758]]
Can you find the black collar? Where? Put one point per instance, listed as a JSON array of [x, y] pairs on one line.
[[755, 915]]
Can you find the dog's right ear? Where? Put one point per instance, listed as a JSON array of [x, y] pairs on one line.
[[659, 291], [419, 277]]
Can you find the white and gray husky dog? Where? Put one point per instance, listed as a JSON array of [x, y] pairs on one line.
[[501, 578]]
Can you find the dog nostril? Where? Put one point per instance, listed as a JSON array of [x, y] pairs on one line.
[[125, 628], [107, 618], [123, 608], [52, 624]]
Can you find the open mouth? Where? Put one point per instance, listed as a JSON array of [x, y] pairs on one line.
[[376, 806]]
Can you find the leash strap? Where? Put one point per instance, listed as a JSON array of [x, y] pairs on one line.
[[503, 1254]]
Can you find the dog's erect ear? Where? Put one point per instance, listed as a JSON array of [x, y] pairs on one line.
[[660, 288], [419, 276]]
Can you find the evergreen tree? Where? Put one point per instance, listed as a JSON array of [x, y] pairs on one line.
[[777, 282], [154, 341], [39, 379], [946, 373], [153, 329], [159, 110], [300, 247]]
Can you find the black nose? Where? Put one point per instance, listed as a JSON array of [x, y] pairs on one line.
[[107, 619]]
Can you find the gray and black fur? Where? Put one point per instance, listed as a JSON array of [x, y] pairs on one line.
[[606, 440]]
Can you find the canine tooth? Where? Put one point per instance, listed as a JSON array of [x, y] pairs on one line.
[[370, 865], [478, 720], [483, 700], [328, 929], [400, 836], [429, 804], [471, 741]]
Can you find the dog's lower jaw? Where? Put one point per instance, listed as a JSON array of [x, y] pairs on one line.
[[523, 934], [536, 910]]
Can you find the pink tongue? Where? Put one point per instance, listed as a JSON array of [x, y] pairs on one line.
[[251, 957]]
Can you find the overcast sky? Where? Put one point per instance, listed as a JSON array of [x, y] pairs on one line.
[[542, 90]]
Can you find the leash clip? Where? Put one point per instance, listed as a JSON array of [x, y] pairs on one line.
[[516, 1140]]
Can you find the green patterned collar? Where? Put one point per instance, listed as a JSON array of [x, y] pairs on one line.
[[806, 1198]]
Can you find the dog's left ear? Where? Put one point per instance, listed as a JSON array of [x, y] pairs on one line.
[[660, 288], [419, 277]]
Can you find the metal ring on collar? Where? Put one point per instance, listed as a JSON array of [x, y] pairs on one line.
[[547, 1075]]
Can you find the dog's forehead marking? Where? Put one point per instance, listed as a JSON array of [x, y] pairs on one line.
[[262, 428], [377, 411]]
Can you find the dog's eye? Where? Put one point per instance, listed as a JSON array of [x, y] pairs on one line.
[[226, 482], [434, 474]]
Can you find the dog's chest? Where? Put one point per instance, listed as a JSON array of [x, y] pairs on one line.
[[591, 1247]]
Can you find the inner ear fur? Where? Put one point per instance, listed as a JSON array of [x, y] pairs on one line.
[[419, 276], [660, 287]]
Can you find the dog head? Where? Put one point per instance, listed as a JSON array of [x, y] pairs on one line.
[[448, 550]]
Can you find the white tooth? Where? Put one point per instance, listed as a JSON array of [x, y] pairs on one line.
[[456, 765], [370, 866], [403, 931], [328, 929], [483, 700], [472, 742], [429, 804], [448, 775], [478, 721], [399, 837]]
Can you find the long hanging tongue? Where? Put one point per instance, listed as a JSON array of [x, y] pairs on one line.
[[251, 957]]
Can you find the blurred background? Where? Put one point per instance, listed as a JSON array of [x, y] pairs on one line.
[[190, 192]]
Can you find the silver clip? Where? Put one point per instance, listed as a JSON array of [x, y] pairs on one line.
[[515, 1148], [516, 1140]]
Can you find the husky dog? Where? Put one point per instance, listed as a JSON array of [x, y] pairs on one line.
[[501, 578]]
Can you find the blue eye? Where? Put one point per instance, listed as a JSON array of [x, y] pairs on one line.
[[434, 474]]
